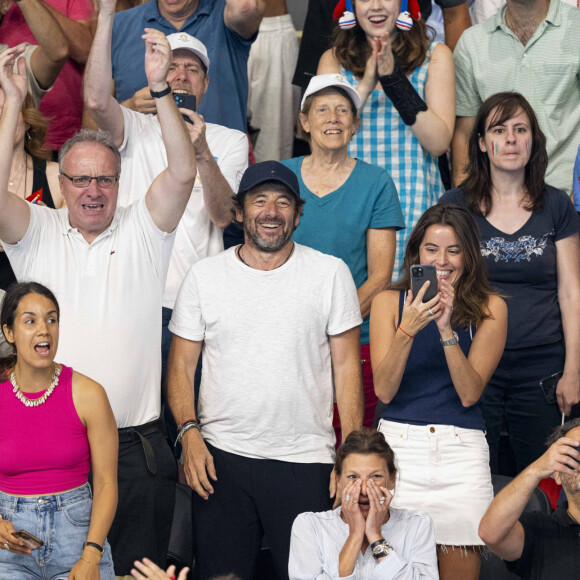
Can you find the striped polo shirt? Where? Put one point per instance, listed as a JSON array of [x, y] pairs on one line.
[[489, 59]]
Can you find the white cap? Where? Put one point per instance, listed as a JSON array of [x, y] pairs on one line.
[[184, 40], [320, 82]]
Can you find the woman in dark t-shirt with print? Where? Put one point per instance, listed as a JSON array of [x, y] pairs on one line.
[[529, 238]]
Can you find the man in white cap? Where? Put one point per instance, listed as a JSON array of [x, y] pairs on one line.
[[226, 27], [221, 153]]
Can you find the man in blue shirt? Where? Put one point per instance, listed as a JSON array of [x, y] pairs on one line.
[[226, 27]]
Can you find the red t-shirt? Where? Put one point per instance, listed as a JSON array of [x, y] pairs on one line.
[[64, 103]]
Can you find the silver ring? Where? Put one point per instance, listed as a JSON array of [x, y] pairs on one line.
[[431, 312], [346, 497], [382, 500], [7, 546]]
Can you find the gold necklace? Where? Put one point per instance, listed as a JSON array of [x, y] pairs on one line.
[[34, 402]]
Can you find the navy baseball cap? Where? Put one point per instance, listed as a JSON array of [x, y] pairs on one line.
[[269, 171]]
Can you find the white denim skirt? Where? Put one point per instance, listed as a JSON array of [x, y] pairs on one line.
[[442, 470]]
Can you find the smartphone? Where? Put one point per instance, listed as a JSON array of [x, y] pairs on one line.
[[31, 541], [420, 273], [184, 101], [548, 386]]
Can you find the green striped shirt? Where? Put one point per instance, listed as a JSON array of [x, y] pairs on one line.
[[489, 59]]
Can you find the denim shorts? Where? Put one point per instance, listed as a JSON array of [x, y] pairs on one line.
[[61, 521]]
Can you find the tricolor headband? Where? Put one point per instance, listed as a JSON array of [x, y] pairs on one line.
[[344, 13]]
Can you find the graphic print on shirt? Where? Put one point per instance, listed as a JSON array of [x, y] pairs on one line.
[[524, 248]]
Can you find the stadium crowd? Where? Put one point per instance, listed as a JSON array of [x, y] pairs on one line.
[[293, 306]]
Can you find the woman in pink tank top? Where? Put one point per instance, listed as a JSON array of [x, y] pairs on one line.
[[55, 425]]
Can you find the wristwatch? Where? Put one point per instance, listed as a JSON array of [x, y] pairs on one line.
[[454, 340], [381, 548]]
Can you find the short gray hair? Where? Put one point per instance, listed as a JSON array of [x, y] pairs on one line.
[[562, 430], [89, 136]]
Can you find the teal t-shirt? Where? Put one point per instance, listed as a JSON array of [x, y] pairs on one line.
[[337, 223]]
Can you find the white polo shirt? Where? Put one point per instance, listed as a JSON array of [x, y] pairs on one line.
[[267, 385], [110, 296], [144, 158]]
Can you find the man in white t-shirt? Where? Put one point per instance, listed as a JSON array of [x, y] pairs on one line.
[[278, 324], [221, 154], [107, 266]]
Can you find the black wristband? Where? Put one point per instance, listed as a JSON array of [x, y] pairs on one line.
[[94, 545], [159, 94], [402, 94]]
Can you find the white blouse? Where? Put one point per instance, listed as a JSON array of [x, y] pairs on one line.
[[318, 538]]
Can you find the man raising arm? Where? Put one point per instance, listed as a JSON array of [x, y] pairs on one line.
[[537, 545]]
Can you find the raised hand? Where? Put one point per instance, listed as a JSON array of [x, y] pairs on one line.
[[562, 456], [443, 318], [418, 314], [14, 84], [383, 51], [148, 569], [197, 133], [158, 57]]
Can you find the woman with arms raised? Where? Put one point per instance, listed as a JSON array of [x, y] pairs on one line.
[[407, 88], [431, 362]]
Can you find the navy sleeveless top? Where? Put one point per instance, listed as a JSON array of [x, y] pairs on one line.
[[426, 395]]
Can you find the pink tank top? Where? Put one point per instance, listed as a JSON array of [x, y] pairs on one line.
[[43, 449]]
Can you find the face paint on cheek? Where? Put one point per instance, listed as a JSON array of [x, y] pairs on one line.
[[493, 148], [528, 146]]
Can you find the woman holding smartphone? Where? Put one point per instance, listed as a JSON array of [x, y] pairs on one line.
[[528, 235], [55, 425], [431, 362]]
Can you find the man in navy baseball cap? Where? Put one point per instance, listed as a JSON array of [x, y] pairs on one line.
[[278, 324]]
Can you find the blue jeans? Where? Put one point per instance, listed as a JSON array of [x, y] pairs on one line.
[[61, 521]]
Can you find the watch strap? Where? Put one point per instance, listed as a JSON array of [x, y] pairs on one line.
[[451, 341], [159, 94]]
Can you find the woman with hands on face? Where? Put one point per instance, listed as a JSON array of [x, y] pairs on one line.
[[407, 87], [431, 362], [364, 533]]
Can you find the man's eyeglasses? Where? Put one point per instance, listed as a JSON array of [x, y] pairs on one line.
[[106, 181]]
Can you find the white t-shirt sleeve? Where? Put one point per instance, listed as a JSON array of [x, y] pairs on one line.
[[234, 159], [187, 320], [134, 122], [345, 308]]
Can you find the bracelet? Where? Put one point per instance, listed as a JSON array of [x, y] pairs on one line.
[[185, 428], [399, 327], [89, 562], [179, 427], [93, 545], [402, 94], [159, 94]]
